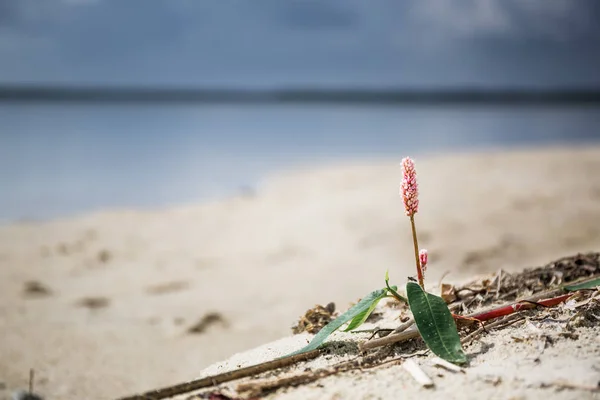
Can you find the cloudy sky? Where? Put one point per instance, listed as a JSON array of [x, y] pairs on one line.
[[270, 42], [57, 160]]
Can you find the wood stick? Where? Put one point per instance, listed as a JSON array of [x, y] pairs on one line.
[[403, 334], [389, 339], [257, 388], [404, 326], [214, 380]]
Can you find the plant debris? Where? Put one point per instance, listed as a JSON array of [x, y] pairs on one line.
[[509, 287], [213, 396], [500, 289], [315, 319], [563, 384], [587, 314], [261, 387]]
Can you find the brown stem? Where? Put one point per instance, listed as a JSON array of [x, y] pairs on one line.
[[414, 234], [214, 380]]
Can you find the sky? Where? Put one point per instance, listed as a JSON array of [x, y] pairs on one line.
[[58, 159], [296, 42]]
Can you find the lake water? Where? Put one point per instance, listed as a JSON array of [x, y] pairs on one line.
[[60, 160]]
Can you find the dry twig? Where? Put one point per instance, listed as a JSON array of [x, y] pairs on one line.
[[214, 380]]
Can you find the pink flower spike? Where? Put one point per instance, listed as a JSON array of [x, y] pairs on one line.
[[409, 189], [423, 259]]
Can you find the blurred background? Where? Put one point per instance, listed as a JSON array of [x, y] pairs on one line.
[[180, 180], [111, 144]]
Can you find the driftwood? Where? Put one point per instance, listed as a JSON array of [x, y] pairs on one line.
[[214, 380]]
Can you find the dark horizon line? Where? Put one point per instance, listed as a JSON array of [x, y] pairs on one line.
[[449, 96]]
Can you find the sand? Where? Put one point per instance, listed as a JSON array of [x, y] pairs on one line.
[[101, 305], [529, 360]]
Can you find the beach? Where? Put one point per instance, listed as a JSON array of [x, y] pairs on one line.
[[112, 303]]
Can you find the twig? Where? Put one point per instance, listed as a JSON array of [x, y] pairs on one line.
[[374, 332], [400, 334], [392, 337], [258, 387], [499, 276], [503, 322], [508, 321], [404, 326], [401, 357], [398, 337], [562, 384], [214, 380]]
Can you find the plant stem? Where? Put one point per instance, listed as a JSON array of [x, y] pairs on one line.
[[416, 244], [395, 294]]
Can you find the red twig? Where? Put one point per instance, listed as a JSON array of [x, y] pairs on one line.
[[513, 308]]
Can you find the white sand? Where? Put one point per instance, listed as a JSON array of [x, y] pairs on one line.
[[306, 238]]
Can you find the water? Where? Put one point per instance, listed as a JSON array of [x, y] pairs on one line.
[[58, 160]]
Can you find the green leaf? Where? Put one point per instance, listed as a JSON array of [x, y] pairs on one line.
[[435, 323], [363, 315], [585, 285], [361, 307]]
